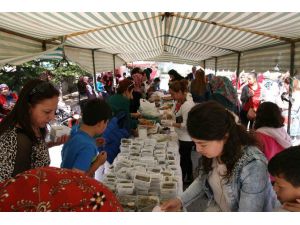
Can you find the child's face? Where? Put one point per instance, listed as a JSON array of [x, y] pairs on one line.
[[101, 126], [285, 191]]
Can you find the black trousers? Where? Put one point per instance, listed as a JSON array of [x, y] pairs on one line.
[[135, 102], [244, 119], [185, 149]]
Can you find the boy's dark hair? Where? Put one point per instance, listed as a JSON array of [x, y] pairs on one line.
[[268, 115], [95, 111], [136, 70], [287, 165], [253, 74], [156, 79]]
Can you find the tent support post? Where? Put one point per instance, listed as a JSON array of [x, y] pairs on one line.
[[216, 65], [292, 64], [238, 69], [114, 71], [204, 65], [94, 70]]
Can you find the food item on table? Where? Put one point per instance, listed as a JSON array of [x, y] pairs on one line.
[[145, 122]]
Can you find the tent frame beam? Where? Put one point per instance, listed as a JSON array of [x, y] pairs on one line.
[[104, 28], [289, 40]]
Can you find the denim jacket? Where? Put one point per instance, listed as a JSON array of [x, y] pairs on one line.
[[249, 188]]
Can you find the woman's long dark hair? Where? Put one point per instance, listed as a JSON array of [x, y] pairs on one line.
[[211, 121], [33, 92], [198, 86]]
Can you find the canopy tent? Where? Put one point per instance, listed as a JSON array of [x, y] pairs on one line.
[[179, 37], [100, 41]]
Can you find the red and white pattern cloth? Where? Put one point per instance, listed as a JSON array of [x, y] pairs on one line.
[[55, 189]]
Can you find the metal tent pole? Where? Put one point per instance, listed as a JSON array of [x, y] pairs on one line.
[[238, 70], [292, 64], [216, 67], [114, 71], [94, 70]]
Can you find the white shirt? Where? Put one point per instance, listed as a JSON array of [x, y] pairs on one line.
[[183, 111], [216, 182]]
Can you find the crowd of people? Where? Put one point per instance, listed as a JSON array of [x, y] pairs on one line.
[[248, 160]]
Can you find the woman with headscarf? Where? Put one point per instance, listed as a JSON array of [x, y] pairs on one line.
[[224, 93], [49, 189]]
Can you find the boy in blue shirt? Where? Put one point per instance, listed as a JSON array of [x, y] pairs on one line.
[[81, 152], [285, 167]]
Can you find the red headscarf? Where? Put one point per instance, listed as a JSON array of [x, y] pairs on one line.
[[56, 189]]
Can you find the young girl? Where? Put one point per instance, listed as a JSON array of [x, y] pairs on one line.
[[23, 131], [184, 103], [234, 174], [270, 130]]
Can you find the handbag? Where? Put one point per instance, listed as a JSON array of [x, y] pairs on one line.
[[251, 114]]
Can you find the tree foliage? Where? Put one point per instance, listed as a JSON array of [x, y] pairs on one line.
[[16, 76]]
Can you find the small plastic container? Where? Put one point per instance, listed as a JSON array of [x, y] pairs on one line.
[[128, 202], [146, 203], [143, 131], [126, 141], [142, 180], [162, 145], [58, 131], [125, 189]]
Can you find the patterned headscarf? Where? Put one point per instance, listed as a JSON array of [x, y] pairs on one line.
[[55, 189], [222, 85]]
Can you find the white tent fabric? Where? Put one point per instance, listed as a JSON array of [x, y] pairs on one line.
[[83, 57], [17, 50], [185, 37]]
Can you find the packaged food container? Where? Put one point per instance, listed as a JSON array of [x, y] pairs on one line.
[[109, 180], [147, 149], [142, 180], [134, 154], [58, 131], [135, 148], [126, 141], [167, 173], [128, 202], [171, 162], [138, 140], [123, 181], [143, 131], [146, 203], [162, 145], [146, 154], [140, 164], [149, 141], [124, 148], [134, 158], [110, 175], [139, 191], [168, 189], [125, 189], [155, 169], [122, 173]]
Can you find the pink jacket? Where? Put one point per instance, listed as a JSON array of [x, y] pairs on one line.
[[269, 145]]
